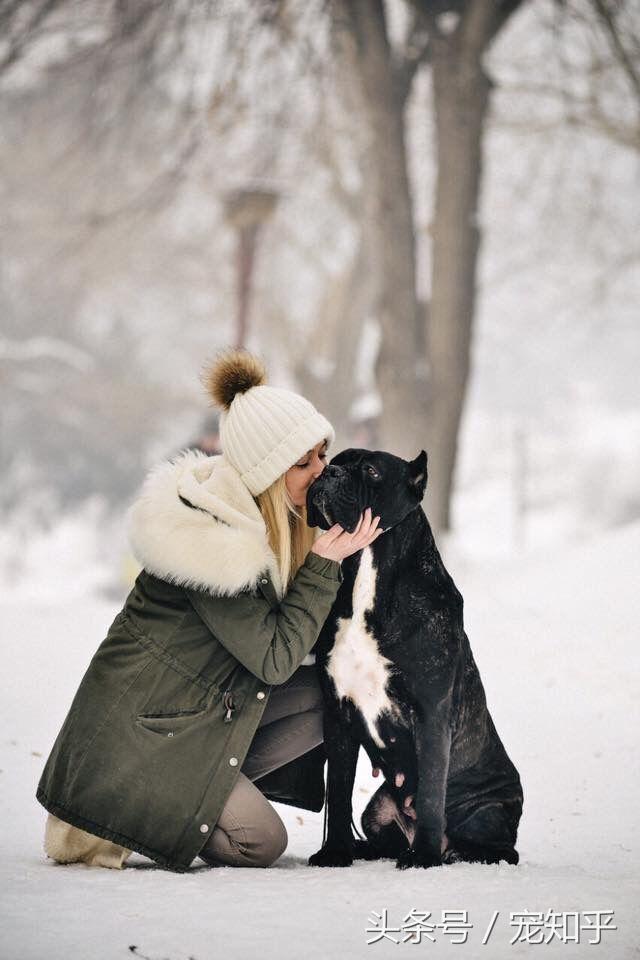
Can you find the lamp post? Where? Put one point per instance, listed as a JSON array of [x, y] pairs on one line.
[[247, 210]]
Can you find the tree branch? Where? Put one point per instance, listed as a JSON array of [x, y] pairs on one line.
[[505, 9], [415, 52], [622, 56], [25, 32]]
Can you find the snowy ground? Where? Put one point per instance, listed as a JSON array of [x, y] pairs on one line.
[[556, 643]]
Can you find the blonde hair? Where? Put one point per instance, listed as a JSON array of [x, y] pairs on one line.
[[289, 536]]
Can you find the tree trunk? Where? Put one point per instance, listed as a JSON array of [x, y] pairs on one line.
[[336, 340], [461, 96], [388, 220]]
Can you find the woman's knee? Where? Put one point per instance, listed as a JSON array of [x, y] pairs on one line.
[[267, 843], [273, 845], [257, 844]]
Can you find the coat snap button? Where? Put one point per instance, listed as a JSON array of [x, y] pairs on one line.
[[264, 580], [260, 695], [233, 761], [204, 828]]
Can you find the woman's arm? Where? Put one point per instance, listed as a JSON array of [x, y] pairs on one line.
[[273, 643]]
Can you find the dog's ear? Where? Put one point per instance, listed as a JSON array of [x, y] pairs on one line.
[[418, 474]]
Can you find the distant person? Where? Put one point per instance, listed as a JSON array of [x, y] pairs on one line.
[[208, 439], [198, 708], [364, 434]]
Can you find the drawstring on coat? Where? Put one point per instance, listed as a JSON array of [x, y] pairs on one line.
[[227, 702]]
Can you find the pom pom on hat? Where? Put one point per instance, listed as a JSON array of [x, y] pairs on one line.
[[263, 430], [232, 372]]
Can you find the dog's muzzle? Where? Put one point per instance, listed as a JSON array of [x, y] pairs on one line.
[[331, 499]]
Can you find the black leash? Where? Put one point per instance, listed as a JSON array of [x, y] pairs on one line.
[[324, 825]]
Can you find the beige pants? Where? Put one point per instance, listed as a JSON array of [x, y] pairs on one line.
[[249, 832]]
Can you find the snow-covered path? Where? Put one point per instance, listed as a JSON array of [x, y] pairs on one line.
[[556, 641]]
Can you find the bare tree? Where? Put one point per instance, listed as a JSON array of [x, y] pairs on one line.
[[102, 126], [460, 34], [596, 87], [384, 80], [128, 62], [619, 23], [453, 38]]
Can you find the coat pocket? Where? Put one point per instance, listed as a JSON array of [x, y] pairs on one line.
[[170, 724]]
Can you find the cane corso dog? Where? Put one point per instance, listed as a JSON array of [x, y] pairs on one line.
[[399, 679]]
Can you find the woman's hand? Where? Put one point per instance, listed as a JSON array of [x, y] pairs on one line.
[[336, 543]]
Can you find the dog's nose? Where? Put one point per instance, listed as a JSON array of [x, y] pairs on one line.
[[332, 470]]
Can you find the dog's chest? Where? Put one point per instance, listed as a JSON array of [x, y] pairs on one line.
[[355, 664]]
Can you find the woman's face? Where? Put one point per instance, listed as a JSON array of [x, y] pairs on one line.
[[301, 475]]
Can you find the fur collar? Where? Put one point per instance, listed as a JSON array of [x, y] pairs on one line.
[[220, 546]]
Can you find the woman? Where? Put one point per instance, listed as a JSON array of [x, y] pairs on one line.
[[199, 704]]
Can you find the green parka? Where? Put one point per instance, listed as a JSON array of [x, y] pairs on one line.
[[165, 714]]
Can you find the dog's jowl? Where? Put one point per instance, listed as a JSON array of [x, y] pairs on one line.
[[399, 679]]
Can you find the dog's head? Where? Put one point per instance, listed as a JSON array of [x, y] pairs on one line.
[[356, 479]]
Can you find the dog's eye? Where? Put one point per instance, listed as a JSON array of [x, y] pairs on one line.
[[372, 472]]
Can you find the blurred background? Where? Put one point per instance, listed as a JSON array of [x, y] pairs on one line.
[[422, 214]]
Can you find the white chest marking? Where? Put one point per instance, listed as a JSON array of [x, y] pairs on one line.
[[355, 664]]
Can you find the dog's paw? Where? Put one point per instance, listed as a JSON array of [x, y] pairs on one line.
[[331, 857], [364, 850], [417, 858], [451, 855], [471, 853]]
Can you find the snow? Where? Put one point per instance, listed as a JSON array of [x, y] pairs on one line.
[[555, 638]]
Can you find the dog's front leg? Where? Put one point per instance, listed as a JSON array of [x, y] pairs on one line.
[[433, 743], [342, 749]]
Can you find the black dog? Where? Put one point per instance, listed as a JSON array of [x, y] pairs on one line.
[[399, 678]]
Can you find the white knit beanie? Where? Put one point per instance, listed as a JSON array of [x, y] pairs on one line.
[[263, 430]]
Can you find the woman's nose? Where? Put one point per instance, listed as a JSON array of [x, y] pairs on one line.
[[318, 469]]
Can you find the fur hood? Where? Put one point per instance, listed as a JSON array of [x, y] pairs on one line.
[[197, 525]]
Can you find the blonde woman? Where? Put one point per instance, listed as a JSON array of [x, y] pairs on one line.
[[202, 704]]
